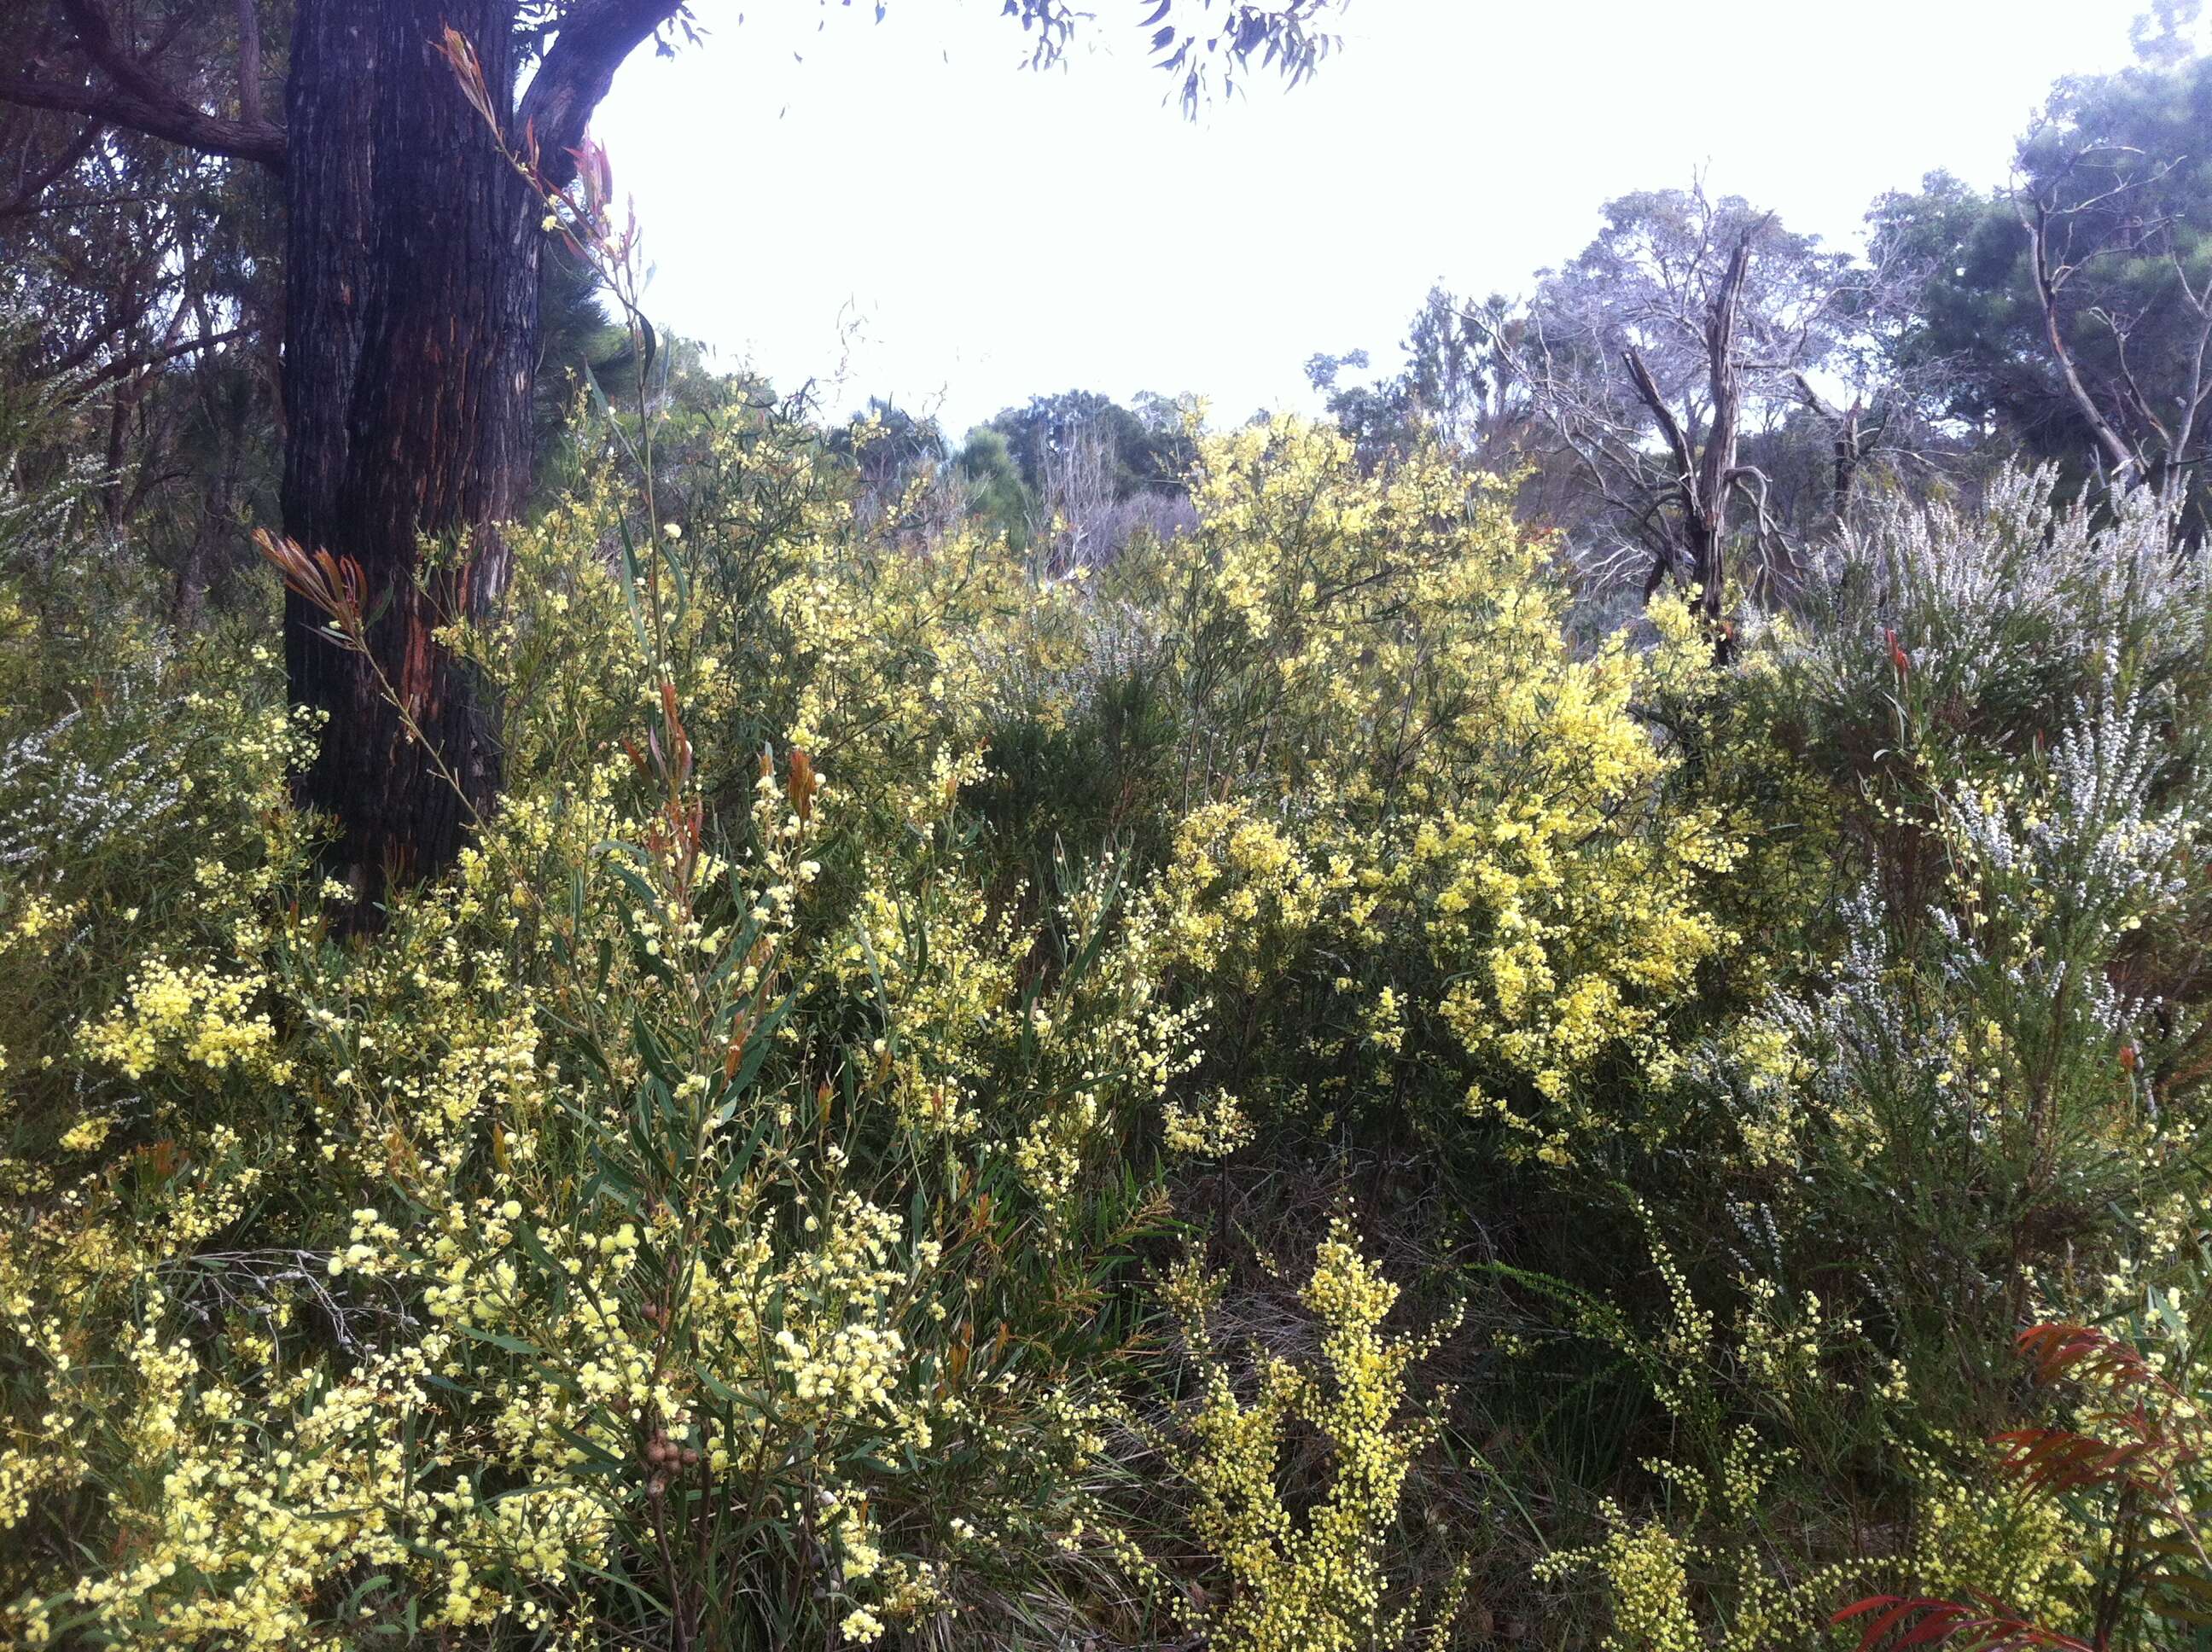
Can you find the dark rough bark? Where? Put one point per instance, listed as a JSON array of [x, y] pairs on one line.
[[595, 39], [412, 283]]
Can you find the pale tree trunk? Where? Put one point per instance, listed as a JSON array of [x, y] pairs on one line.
[[1705, 476]]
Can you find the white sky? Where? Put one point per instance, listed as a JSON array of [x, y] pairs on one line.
[[907, 211]]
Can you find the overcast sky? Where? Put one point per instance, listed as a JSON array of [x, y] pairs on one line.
[[901, 208]]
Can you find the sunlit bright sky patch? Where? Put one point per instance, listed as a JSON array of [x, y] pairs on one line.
[[900, 209]]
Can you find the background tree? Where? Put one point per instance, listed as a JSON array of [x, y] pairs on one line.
[[1684, 326], [1862, 413], [1456, 385], [146, 277], [2071, 311], [1091, 472], [998, 498], [1142, 450], [888, 446]]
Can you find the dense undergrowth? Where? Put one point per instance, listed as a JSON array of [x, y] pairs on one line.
[[1259, 1094]]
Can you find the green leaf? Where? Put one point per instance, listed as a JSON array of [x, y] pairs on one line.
[[513, 1345]]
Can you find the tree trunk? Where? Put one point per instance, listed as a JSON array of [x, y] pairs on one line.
[[1704, 475], [411, 282], [1851, 439], [410, 326], [1716, 466]]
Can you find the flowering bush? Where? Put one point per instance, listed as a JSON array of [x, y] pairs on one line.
[[739, 1205]]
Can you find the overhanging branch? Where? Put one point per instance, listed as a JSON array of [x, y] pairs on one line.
[[595, 38], [180, 123], [123, 89]]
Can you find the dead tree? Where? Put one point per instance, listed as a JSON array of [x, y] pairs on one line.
[[1706, 474], [1647, 361]]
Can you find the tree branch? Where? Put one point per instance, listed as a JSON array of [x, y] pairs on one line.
[[2131, 391], [2123, 461], [125, 367], [137, 98], [595, 38], [1814, 402], [176, 122], [95, 32], [26, 200], [1647, 387]]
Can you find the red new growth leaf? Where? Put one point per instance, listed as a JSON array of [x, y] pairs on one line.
[[1987, 1626], [802, 785]]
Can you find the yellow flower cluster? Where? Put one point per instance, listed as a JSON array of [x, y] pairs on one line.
[[174, 1013], [1459, 833], [1314, 1582]]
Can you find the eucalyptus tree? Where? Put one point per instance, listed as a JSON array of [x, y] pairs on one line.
[[2069, 312], [1687, 323], [411, 256]]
